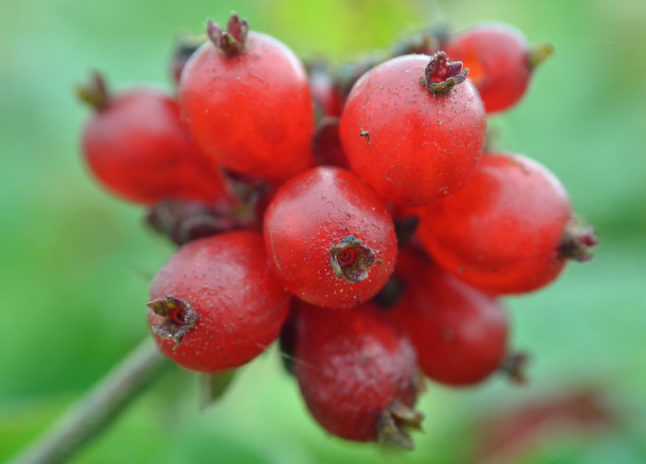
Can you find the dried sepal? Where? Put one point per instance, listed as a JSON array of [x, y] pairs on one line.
[[95, 93], [350, 259], [395, 424], [179, 318], [231, 41], [441, 74], [514, 366], [577, 242]]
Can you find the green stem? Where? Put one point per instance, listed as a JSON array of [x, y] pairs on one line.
[[86, 419]]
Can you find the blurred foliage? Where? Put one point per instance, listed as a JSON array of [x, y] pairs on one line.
[[75, 264]]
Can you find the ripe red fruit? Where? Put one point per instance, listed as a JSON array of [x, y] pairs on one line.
[[460, 333], [215, 305], [137, 147], [509, 230], [245, 98], [414, 129], [326, 97], [330, 237], [326, 144], [500, 62], [358, 375]]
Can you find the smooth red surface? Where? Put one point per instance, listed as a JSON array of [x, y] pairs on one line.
[[496, 55], [318, 209], [240, 304], [416, 146], [460, 333], [501, 232], [138, 149], [351, 366], [251, 112]]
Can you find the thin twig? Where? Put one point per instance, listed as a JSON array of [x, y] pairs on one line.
[[85, 420]]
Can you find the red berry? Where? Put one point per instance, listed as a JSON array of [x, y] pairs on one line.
[[215, 305], [326, 144], [330, 237], [137, 147], [460, 334], [326, 97], [358, 375], [245, 98], [414, 129], [500, 62], [508, 230]]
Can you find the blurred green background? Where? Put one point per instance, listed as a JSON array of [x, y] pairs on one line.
[[75, 264]]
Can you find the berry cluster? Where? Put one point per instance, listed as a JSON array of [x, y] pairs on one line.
[[354, 213]]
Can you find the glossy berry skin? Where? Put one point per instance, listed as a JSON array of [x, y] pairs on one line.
[[501, 232], [408, 143], [239, 306], [497, 58], [351, 367], [251, 111], [460, 333], [330, 237], [137, 147]]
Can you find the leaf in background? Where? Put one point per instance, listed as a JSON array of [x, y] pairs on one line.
[[214, 386]]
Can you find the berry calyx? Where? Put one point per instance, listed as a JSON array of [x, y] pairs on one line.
[[577, 241], [514, 366], [351, 260], [95, 93], [395, 424], [178, 318], [231, 41], [441, 75], [538, 53]]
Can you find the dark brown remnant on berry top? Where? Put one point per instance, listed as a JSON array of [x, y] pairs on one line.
[[441, 74], [232, 41], [350, 259], [95, 92], [395, 424], [179, 318], [514, 365], [577, 241]]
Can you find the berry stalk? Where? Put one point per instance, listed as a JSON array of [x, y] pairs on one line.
[[87, 418]]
